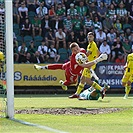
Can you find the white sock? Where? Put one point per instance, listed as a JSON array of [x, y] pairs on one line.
[[44, 67]]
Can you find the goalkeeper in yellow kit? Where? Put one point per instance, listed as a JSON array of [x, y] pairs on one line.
[[92, 53], [128, 75], [2, 69], [1, 60]]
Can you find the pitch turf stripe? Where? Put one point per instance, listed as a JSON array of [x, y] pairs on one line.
[[38, 126]]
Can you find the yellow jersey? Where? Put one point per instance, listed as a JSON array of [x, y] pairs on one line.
[[130, 61], [92, 47]]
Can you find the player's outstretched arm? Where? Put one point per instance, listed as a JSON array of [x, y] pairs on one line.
[[91, 63]]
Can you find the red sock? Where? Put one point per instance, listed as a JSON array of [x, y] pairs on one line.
[[55, 66]]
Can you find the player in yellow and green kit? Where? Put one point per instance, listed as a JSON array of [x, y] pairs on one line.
[[128, 75], [1, 60], [92, 53], [2, 69]]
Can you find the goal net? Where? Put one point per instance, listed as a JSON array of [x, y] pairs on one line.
[[2, 63]]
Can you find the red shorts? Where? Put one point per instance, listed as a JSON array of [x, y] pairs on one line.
[[70, 78]]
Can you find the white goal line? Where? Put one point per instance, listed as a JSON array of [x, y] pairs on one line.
[[38, 126]]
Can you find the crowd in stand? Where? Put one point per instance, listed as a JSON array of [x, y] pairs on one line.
[[52, 25]]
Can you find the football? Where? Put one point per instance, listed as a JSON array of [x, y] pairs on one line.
[[81, 58]]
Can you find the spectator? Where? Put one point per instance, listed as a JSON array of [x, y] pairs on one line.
[[23, 12], [107, 3], [49, 3], [112, 12], [60, 39], [126, 48], [37, 58], [31, 6], [116, 2], [98, 2], [41, 11], [32, 48], [77, 2], [111, 36], [88, 25], [16, 18], [72, 11], [45, 25], [101, 11], [56, 23], [36, 27], [82, 10], [97, 24], [71, 38], [15, 50], [116, 47], [26, 28], [121, 12], [127, 28], [58, 2], [130, 38], [77, 24], [100, 37], [81, 40], [92, 10], [105, 48], [122, 36], [28, 59], [130, 13], [22, 51], [52, 13], [60, 12], [24, 1], [120, 58], [118, 26], [53, 56], [107, 24], [67, 4], [43, 50], [50, 38], [67, 24]]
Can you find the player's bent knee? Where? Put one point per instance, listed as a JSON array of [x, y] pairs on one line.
[[123, 84], [129, 83]]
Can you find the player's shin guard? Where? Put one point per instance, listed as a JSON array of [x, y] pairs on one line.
[[80, 88], [127, 90]]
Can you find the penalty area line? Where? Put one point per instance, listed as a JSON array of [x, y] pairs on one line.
[[38, 126]]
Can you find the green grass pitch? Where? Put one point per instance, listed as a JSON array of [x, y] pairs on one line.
[[115, 122]]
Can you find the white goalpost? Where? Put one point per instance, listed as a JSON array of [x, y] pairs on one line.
[[9, 59]]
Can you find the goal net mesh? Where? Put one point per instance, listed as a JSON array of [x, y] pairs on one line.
[[2, 63]]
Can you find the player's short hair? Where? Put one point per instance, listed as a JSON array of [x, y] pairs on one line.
[[90, 33], [72, 45]]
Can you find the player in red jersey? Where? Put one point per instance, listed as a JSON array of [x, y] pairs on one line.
[[72, 69]]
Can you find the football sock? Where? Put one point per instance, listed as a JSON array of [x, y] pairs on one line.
[[55, 66], [44, 67], [80, 88], [127, 89], [97, 86]]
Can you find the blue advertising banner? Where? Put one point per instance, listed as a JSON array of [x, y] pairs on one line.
[[111, 74]]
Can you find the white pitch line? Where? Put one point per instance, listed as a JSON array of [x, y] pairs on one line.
[[38, 126]]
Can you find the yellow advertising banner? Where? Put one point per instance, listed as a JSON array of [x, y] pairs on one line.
[[26, 75]]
